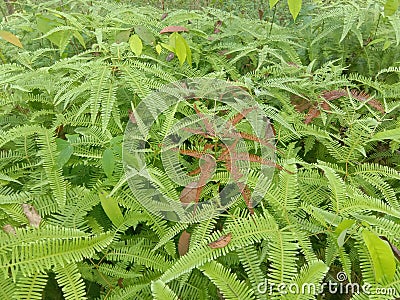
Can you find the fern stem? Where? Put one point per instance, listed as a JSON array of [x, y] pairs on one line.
[[377, 25], [272, 21]]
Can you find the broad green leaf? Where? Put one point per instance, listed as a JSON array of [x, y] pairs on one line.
[[46, 23], [393, 134], [158, 49], [391, 7], [123, 36], [188, 53], [383, 260], [272, 3], [345, 224], [341, 238], [180, 48], [172, 39], [12, 39], [145, 34], [386, 45], [376, 41], [136, 44], [341, 231], [168, 47], [111, 208], [108, 162], [80, 39], [65, 151], [294, 7]]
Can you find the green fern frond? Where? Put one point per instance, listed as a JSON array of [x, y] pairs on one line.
[[229, 285]]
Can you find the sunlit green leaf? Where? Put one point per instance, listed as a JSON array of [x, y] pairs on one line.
[[108, 162], [294, 7], [384, 263], [180, 48], [391, 7], [136, 44], [158, 49], [111, 208]]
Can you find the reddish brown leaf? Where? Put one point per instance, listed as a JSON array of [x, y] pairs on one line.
[[192, 153], [334, 94], [173, 29], [251, 137], [164, 15], [183, 243], [209, 128], [238, 117], [312, 114], [362, 97], [377, 105], [188, 194], [221, 242], [31, 214], [207, 166], [359, 95], [246, 194], [208, 147], [195, 172], [300, 104], [325, 106]]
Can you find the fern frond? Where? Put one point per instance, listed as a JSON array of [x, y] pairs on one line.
[[229, 285]]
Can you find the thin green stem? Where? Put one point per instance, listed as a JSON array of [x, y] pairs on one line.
[[272, 21]]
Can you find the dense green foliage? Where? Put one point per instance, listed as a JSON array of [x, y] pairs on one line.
[[73, 229]]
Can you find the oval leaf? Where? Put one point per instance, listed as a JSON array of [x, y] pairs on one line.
[[383, 260], [9, 37], [391, 7], [180, 48], [173, 29], [392, 134], [221, 242], [108, 162], [145, 34], [294, 7], [111, 208], [158, 49], [183, 243], [188, 194], [136, 44], [65, 151]]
